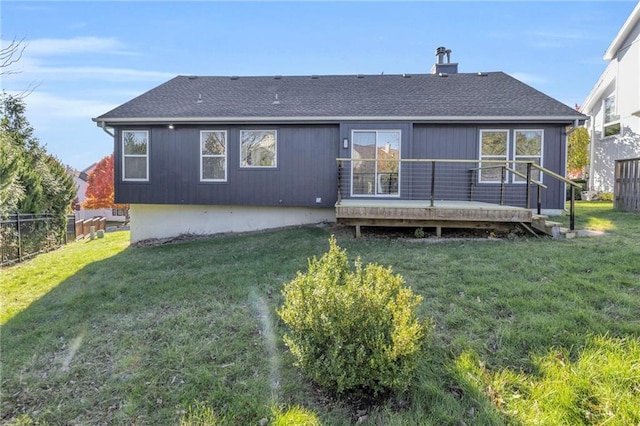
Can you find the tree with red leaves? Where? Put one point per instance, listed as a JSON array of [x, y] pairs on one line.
[[99, 190]]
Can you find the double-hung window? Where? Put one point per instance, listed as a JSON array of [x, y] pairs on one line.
[[135, 155], [376, 166], [611, 119], [213, 156], [258, 148], [528, 147], [494, 152]]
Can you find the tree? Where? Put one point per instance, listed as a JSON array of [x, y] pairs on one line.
[[99, 192], [31, 180], [578, 151]]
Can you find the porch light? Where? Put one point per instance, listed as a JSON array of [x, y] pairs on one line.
[[171, 127]]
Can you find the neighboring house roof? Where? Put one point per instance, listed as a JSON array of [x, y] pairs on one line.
[[625, 31], [492, 96]]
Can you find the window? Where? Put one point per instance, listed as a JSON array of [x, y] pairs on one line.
[[135, 155], [528, 148], [611, 120], [258, 148], [379, 174], [494, 145], [213, 156]]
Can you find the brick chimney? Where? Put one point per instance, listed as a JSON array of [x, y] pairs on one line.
[[442, 67]]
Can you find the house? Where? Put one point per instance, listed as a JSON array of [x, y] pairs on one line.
[[219, 154], [614, 106], [81, 180]]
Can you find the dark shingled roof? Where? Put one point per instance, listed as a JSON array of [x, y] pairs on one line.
[[333, 97]]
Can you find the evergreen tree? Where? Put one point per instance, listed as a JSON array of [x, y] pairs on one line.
[[31, 181]]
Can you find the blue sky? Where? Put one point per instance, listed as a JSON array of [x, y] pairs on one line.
[[84, 58]]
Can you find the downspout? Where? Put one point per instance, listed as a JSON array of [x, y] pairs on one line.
[[592, 150], [103, 126]]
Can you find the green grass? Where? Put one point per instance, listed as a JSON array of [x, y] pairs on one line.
[[527, 331]]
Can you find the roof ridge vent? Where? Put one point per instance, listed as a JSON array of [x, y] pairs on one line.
[[315, 77], [234, 77], [482, 74], [360, 76], [192, 77], [277, 77], [443, 74], [405, 75]]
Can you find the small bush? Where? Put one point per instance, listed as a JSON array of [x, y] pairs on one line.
[[606, 196], [352, 331]]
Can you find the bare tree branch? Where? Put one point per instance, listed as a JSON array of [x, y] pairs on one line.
[[10, 55]]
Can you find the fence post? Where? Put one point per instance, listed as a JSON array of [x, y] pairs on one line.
[[19, 237]]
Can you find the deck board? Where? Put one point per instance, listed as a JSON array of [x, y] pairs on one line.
[[454, 214]]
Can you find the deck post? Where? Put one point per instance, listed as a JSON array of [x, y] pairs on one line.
[[572, 209], [358, 231], [539, 201], [433, 182], [339, 181], [503, 173], [528, 185]]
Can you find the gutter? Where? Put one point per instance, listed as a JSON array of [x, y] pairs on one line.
[[315, 119]]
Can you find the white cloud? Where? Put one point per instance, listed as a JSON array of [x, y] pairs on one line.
[[95, 73], [557, 39], [62, 46], [42, 106]]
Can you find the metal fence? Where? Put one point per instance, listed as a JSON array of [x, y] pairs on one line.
[[626, 190], [23, 236]]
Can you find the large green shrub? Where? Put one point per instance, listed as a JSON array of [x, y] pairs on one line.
[[352, 331]]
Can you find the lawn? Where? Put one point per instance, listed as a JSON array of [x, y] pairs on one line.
[[527, 331]]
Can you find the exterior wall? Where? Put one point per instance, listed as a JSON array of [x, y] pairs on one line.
[[621, 78], [306, 169], [463, 142], [163, 221], [83, 213]]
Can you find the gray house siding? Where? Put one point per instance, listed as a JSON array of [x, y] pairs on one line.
[[463, 142], [306, 169]]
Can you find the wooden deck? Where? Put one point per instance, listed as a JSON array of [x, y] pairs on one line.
[[419, 213]]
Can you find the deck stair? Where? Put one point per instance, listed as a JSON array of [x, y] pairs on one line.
[[541, 223]]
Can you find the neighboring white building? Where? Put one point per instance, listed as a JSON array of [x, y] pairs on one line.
[[614, 106], [81, 180]]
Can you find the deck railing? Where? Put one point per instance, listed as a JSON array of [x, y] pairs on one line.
[[492, 181]]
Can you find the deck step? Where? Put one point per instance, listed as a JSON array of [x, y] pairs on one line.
[[547, 227]]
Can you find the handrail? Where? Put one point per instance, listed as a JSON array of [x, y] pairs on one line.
[[515, 172], [557, 176], [572, 199], [434, 160], [498, 163]]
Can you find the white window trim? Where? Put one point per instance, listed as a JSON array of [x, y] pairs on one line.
[[124, 156], [493, 157], [275, 154], [517, 157], [203, 156], [375, 193], [606, 123]]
